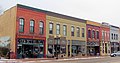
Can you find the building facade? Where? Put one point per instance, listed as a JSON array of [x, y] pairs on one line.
[[65, 34], [114, 35], [36, 33], [93, 38], [30, 32], [105, 48], [26, 29]]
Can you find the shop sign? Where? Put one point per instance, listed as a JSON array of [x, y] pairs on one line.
[[92, 43], [20, 41]]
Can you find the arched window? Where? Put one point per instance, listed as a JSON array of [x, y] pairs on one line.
[[21, 25], [72, 31], [31, 26], [78, 32], [41, 27], [89, 33]]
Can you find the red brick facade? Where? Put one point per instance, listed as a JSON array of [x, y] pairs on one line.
[[27, 15]]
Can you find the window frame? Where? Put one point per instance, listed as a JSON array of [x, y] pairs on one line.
[[32, 26], [50, 29], [72, 30], [83, 32], [97, 34], [65, 30], [21, 25], [41, 28], [89, 33], [93, 34], [78, 31], [58, 30]]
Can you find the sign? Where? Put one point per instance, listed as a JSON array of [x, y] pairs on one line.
[[5, 41], [92, 43]]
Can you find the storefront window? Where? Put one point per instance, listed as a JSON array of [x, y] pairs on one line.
[[50, 49], [63, 49]]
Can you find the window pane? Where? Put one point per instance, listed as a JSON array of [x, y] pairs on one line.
[[41, 26], [31, 23], [50, 28], [78, 32], [21, 25], [57, 29], [83, 32], [72, 31], [89, 33], [31, 26], [64, 30]]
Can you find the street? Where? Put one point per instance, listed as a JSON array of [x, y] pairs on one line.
[[105, 59]]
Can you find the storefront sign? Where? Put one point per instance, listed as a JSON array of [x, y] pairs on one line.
[[92, 43], [27, 41]]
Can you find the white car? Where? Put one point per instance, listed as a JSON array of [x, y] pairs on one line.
[[115, 54]]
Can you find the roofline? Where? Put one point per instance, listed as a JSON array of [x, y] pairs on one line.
[[52, 13], [114, 26]]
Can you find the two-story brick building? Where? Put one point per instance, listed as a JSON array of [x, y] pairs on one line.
[[26, 28], [93, 38]]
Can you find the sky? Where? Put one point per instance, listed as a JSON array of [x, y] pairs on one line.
[[93, 10]]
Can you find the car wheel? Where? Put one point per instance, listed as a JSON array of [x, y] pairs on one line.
[[114, 55]]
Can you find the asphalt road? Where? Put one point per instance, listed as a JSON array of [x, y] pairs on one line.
[[89, 60], [105, 59]]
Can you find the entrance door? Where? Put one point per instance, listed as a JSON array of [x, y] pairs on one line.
[[27, 51]]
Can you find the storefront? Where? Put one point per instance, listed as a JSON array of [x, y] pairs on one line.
[[93, 48], [56, 46], [114, 47], [30, 48], [78, 48]]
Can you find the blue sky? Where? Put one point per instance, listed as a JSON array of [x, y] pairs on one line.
[[94, 10]]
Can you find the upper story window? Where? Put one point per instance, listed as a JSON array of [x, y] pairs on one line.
[[83, 32], [89, 33], [108, 35], [72, 31], [103, 34], [116, 36], [78, 32], [50, 28], [31, 26], [93, 34], [97, 34], [112, 36], [41, 27], [58, 29], [21, 25], [64, 30]]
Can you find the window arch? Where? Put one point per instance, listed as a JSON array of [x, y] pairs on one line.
[[41, 27], [21, 25]]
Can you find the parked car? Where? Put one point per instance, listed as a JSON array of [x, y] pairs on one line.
[[115, 54]]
